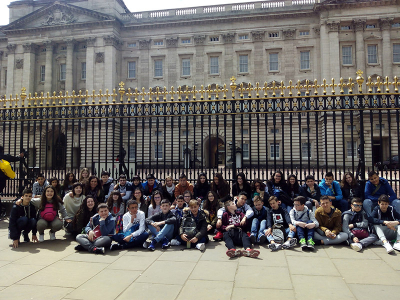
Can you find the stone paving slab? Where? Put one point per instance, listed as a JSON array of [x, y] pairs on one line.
[[54, 270]]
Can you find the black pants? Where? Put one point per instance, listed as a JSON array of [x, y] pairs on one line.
[[233, 238]]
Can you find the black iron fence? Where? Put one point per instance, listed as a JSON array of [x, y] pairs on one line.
[[301, 129]]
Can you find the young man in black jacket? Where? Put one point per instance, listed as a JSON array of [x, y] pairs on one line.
[[162, 226], [23, 219]]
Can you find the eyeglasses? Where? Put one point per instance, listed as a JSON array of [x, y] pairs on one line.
[[357, 205]]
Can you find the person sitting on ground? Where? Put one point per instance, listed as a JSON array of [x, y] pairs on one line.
[[56, 185], [168, 190], [38, 188], [106, 182], [49, 209], [201, 188], [134, 233], [241, 185], [374, 188], [310, 190], [136, 183], [84, 176], [151, 185], [331, 188], [356, 225], [234, 232], [124, 187], [23, 220], [98, 231], [138, 196], [93, 188], [72, 204], [259, 223], [330, 224], [305, 222], [242, 206], [155, 204], [258, 188], [162, 226], [86, 211], [386, 221], [277, 187], [350, 187], [193, 228], [116, 207], [183, 186], [220, 187], [279, 221], [69, 180], [211, 205], [293, 187], [178, 212]]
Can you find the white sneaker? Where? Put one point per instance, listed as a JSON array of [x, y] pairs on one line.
[[41, 238], [175, 242], [145, 245], [396, 246], [356, 246], [52, 236], [388, 247], [201, 246]]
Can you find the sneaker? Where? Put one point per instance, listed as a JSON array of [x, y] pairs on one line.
[[114, 247], [79, 248], [145, 245], [289, 243], [219, 236], [41, 238], [152, 246], [67, 233], [238, 253], [274, 247], [52, 236], [310, 244], [231, 252], [303, 243], [356, 246], [251, 253], [165, 243], [175, 242], [388, 247], [201, 246], [99, 250], [253, 238], [262, 239], [396, 246]]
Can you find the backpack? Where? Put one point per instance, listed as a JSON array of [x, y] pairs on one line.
[[48, 214], [6, 168], [279, 233], [189, 226]]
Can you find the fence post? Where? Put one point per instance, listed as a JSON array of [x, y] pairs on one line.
[[361, 160]]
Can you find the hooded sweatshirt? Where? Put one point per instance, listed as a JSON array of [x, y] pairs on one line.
[[72, 204], [17, 212], [335, 189], [384, 189]]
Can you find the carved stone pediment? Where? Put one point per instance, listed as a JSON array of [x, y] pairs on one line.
[[59, 17]]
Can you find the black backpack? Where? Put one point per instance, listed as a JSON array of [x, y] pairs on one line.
[[189, 226]]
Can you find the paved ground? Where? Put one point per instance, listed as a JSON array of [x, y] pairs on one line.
[[53, 270]]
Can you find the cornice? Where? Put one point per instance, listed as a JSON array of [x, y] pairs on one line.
[[337, 4]]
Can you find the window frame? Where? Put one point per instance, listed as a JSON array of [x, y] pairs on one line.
[[161, 61], [131, 70], [347, 55], [83, 70], [42, 73], [304, 68], [246, 65], [270, 61], [371, 55], [274, 146], [183, 60], [63, 73], [215, 66]]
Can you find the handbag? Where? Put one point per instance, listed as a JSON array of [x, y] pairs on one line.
[[360, 233]]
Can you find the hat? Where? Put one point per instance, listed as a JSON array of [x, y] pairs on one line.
[[150, 176]]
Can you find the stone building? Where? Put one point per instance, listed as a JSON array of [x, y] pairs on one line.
[[68, 45]]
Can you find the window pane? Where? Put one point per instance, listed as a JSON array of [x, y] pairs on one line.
[[304, 60], [214, 67], [42, 73], [273, 61], [346, 55], [186, 67], [305, 150], [83, 74], [396, 53], [246, 153], [63, 71], [351, 149], [372, 54], [158, 68], [158, 153], [132, 152], [274, 151], [132, 69], [243, 63]]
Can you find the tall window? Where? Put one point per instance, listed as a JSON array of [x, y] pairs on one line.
[[158, 151], [158, 68], [186, 67], [63, 72], [246, 151], [346, 55], [5, 77], [396, 53], [274, 150], [304, 60], [214, 66], [132, 69], [243, 63], [372, 54], [305, 150], [83, 73], [42, 73], [351, 148], [273, 62]]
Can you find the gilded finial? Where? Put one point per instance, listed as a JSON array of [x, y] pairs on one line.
[[360, 80], [233, 85]]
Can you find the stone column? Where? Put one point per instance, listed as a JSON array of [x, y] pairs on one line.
[[172, 71], [359, 26], [334, 55], [258, 55], [69, 86], [48, 81], [29, 68], [387, 54], [10, 69], [90, 64], [199, 74], [110, 59], [324, 54]]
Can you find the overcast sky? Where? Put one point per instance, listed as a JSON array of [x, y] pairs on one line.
[[135, 5]]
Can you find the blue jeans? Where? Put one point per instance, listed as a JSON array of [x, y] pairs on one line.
[[258, 227], [26, 225], [203, 240], [167, 231], [290, 234], [136, 241], [301, 232]]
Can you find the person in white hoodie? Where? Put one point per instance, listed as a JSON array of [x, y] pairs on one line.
[[134, 228]]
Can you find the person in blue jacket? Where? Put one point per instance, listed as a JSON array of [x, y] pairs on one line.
[[331, 188], [374, 188]]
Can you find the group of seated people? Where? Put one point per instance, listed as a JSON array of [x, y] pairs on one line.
[[105, 215]]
